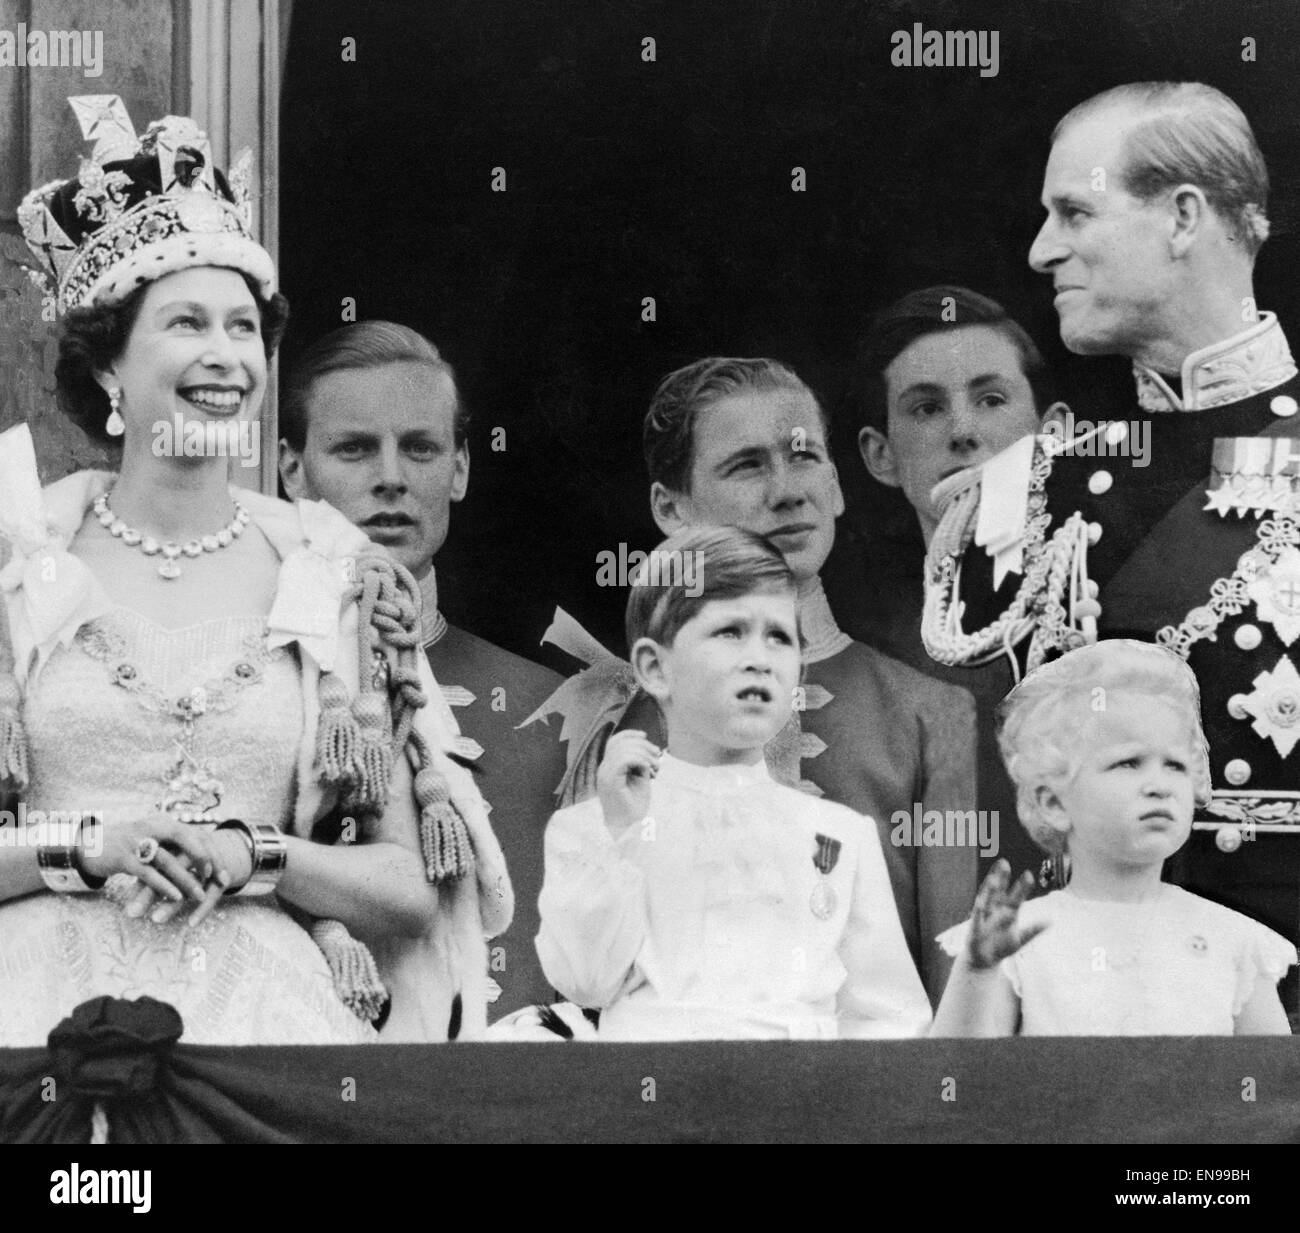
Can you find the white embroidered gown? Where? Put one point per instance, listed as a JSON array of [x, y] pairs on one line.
[[106, 735]]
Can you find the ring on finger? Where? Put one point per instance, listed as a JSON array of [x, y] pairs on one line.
[[146, 850]]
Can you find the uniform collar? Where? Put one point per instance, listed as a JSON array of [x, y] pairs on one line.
[[822, 637], [432, 623], [1231, 371]]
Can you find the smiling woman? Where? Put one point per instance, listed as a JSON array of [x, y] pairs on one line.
[[185, 666], [94, 341]]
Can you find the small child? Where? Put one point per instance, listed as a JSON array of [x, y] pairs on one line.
[[1106, 750], [694, 897]]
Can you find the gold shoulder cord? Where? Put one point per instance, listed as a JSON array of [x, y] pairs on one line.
[[1053, 569]]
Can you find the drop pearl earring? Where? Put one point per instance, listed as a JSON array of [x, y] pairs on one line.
[[115, 426]]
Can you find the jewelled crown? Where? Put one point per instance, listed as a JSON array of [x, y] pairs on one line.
[[139, 208]]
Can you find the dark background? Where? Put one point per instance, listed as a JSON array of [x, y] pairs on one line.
[[673, 180]]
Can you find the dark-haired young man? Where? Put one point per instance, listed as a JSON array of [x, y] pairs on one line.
[[949, 380], [946, 379]]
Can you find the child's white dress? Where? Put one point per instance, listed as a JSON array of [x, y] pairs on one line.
[[702, 921], [1178, 965]]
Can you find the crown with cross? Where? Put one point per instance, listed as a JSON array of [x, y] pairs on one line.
[[138, 209]]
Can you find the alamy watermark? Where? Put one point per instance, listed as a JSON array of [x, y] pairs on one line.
[[39, 828], [130, 1187], [661, 568], [23, 48], [922, 48], [1103, 439], [945, 828], [182, 438]]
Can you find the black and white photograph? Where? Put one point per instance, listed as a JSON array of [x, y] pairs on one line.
[[634, 571]]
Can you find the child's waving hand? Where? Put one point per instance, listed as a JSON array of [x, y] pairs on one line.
[[623, 778], [994, 934]]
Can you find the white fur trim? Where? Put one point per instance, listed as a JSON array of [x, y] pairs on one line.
[[182, 252]]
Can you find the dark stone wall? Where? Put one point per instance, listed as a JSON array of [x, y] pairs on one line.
[[40, 141]]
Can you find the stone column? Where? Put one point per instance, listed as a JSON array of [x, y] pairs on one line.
[[217, 60]]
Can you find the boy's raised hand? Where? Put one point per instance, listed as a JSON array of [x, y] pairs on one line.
[[623, 778], [994, 934]]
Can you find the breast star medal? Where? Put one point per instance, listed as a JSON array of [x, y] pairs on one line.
[[823, 901]]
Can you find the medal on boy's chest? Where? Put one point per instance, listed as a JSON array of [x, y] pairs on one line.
[[823, 901]]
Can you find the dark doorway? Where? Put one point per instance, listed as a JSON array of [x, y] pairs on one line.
[[672, 179]]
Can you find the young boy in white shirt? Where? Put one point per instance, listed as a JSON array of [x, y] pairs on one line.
[[694, 897]]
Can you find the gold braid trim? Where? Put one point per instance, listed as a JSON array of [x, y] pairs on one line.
[[1054, 569], [356, 976], [357, 747]]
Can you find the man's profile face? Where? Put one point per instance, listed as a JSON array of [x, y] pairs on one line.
[[1106, 251], [381, 449], [760, 462]]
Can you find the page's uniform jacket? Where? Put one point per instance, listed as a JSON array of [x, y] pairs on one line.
[[1199, 550], [490, 690]]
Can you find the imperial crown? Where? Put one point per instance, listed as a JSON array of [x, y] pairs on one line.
[[138, 209]]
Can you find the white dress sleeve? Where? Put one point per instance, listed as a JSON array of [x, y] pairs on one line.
[[882, 995], [1264, 955], [952, 941], [592, 906]]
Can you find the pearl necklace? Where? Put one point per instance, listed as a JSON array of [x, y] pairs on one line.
[[171, 550]]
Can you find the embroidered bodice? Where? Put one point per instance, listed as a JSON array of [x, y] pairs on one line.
[[186, 724], [132, 718]]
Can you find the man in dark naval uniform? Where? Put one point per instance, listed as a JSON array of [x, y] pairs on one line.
[[1180, 521], [372, 423]]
